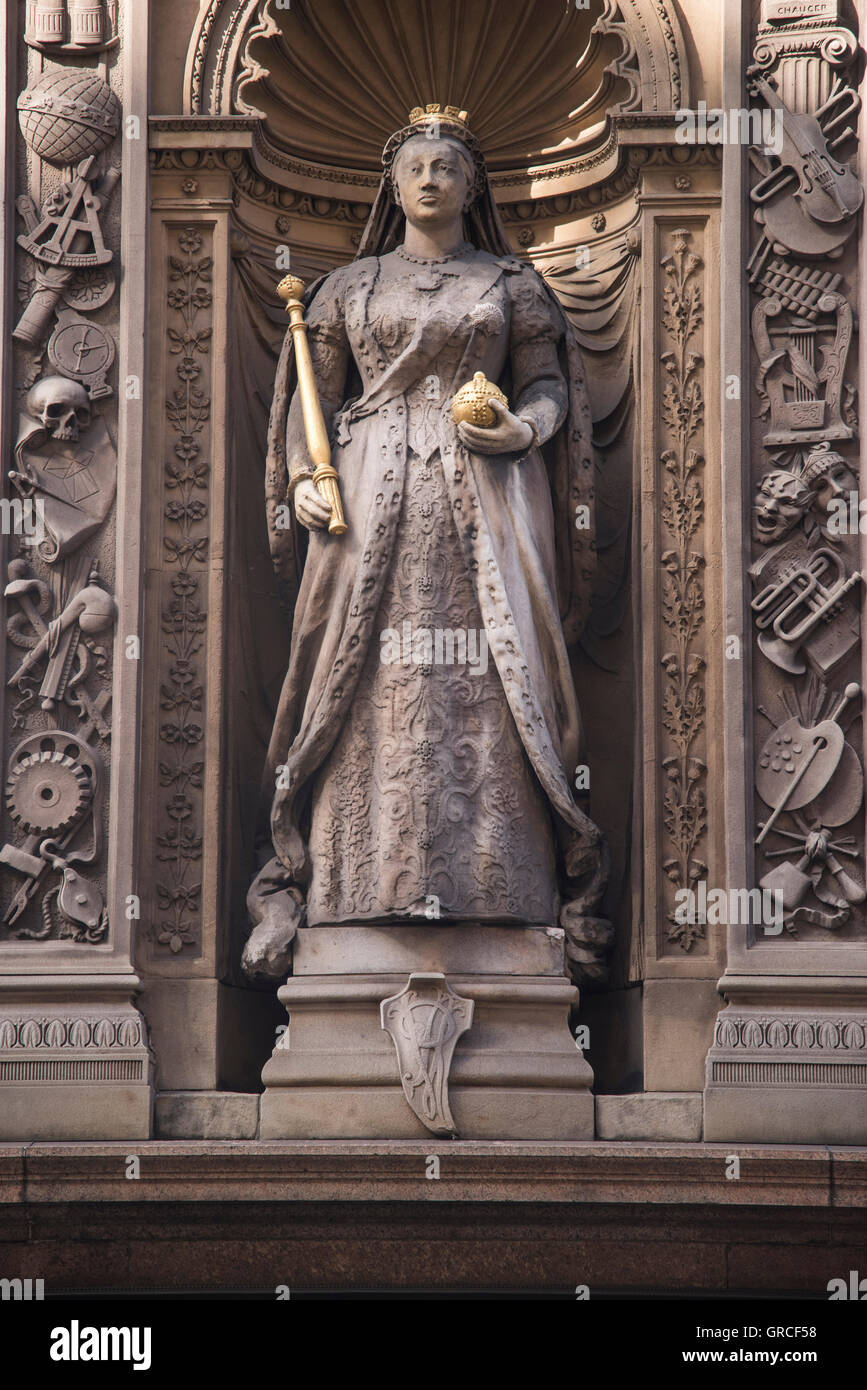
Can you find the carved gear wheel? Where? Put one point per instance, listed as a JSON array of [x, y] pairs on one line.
[[47, 792]]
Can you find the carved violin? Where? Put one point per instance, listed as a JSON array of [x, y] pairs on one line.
[[828, 191]]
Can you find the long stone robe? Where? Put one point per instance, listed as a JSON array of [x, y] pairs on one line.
[[409, 785]]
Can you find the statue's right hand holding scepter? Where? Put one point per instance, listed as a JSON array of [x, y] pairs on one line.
[[324, 478]]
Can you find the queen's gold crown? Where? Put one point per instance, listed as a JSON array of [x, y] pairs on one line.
[[445, 113]]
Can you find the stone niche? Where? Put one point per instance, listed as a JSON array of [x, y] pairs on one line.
[[148, 636], [290, 178]]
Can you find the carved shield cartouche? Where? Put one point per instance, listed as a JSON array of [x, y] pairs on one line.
[[424, 1022]]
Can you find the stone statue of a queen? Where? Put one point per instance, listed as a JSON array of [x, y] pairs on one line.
[[426, 742]]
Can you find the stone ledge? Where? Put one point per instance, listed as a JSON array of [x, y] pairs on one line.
[[365, 1171]]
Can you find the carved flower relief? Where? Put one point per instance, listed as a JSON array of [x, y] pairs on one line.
[[488, 319], [200, 298], [184, 584], [186, 511], [190, 241], [93, 286]]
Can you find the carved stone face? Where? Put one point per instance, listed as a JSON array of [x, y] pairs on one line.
[[837, 481], [433, 180], [62, 406], [780, 503]]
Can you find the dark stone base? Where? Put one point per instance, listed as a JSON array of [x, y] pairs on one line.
[[248, 1217]]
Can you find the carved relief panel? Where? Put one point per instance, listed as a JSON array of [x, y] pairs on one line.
[[806, 582], [61, 481], [788, 1047]]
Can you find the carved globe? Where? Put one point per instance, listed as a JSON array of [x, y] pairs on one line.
[[67, 115]]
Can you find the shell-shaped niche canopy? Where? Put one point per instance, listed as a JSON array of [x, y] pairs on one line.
[[333, 79]]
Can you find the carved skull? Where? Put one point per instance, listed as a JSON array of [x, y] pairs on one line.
[[63, 406]]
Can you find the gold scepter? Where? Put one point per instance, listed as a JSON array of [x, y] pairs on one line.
[[325, 475]]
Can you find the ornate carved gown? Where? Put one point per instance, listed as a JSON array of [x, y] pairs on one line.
[[422, 783]]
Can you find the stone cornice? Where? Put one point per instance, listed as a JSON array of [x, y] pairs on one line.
[[201, 132], [364, 1171]]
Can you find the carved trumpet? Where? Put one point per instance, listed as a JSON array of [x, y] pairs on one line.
[[796, 602], [290, 291]]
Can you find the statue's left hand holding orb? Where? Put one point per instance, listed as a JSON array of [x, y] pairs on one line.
[[508, 435]]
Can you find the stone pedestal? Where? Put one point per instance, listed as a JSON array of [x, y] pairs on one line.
[[789, 1064], [74, 1064], [515, 1074]]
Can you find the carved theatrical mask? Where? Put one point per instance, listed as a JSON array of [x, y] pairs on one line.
[[780, 503], [62, 406], [830, 477]]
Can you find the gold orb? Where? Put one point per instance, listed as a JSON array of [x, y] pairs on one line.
[[470, 405]]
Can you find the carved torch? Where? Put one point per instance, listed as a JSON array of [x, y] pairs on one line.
[[290, 291]]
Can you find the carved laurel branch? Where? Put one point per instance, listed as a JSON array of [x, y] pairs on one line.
[[187, 475], [684, 803]]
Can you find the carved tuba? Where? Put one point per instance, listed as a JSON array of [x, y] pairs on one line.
[[793, 605]]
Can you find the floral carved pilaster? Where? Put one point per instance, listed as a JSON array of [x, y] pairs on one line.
[[183, 619], [194, 395], [683, 604], [680, 613]]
